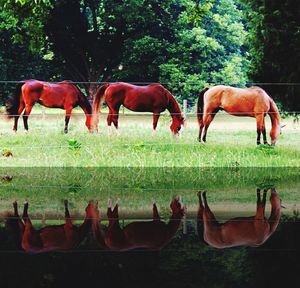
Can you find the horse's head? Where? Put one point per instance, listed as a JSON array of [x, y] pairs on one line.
[[177, 125], [88, 123], [92, 211], [275, 132], [177, 207]]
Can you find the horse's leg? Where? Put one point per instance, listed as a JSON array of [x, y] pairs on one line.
[[200, 130], [259, 206], [31, 238], [260, 125], [113, 216], [28, 108], [67, 118], [155, 120], [109, 121], [109, 212], [264, 133], [25, 212], [207, 213], [67, 214], [210, 224], [16, 117], [207, 119], [115, 118], [155, 215], [200, 227], [16, 215], [264, 200]]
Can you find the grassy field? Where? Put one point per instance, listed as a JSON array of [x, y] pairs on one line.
[[231, 143]]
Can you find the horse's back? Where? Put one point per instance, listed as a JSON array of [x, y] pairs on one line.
[[238, 100], [147, 98], [52, 95]]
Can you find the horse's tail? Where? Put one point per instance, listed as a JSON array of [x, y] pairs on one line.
[[275, 120], [200, 104], [13, 103], [98, 99]]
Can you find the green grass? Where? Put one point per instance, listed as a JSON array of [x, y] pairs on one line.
[[231, 143]]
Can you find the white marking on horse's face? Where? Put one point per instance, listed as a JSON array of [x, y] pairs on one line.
[[180, 131]]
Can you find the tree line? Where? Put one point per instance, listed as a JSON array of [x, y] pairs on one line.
[[183, 44]]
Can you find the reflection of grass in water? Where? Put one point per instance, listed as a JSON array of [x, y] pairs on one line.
[[45, 188]]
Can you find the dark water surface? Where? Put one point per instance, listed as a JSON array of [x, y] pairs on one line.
[[243, 232]]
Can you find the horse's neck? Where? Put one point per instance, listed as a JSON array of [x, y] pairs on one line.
[[85, 227], [174, 108], [173, 224]]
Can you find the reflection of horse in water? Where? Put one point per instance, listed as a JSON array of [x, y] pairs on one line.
[[241, 231], [251, 102], [15, 227], [53, 237], [153, 234], [151, 98], [64, 95]]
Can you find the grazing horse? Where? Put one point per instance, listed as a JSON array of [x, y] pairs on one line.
[[151, 98], [55, 237], [241, 231], [64, 95], [252, 102], [153, 234]]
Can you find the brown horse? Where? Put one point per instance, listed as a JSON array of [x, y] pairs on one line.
[[55, 237], [151, 98], [153, 234], [252, 102], [241, 231], [64, 95]]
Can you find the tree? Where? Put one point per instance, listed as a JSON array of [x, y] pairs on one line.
[[210, 48], [91, 36], [275, 37]]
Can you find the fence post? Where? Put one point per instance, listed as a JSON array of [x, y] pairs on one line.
[[184, 108]]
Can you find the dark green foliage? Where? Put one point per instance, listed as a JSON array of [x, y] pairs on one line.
[[183, 44], [275, 37]]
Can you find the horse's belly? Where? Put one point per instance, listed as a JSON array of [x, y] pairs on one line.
[[238, 111], [52, 101], [141, 104]]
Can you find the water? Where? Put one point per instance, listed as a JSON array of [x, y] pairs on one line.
[[184, 248]]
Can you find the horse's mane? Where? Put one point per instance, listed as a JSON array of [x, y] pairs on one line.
[[83, 98]]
